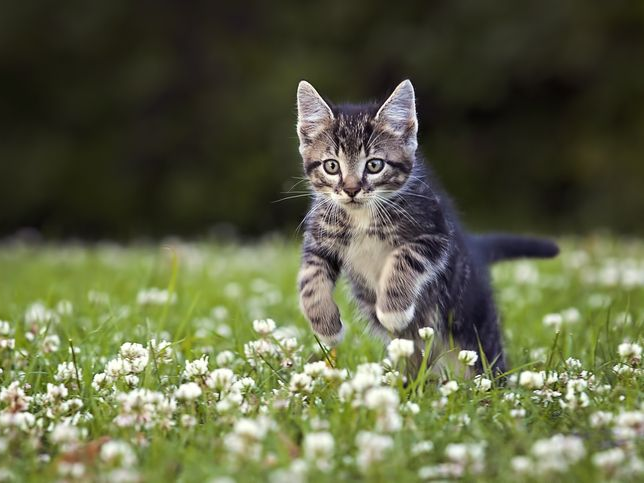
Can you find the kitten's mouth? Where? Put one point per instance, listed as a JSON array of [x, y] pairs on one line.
[[353, 203]]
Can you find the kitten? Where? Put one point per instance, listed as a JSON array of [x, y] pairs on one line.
[[380, 217]]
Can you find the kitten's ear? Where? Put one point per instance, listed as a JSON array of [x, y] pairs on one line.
[[398, 113], [312, 112]]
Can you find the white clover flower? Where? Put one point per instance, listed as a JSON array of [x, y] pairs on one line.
[[630, 352], [123, 475], [65, 434], [188, 421], [224, 358], [21, 420], [264, 326], [623, 369], [557, 453], [553, 320], [38, 314], [318, 448], [144, 409], [289, 344], [426, 333], [118, 453], [161, 351], [467, 455], [372, 448], [410, 407], [221, 379], [422, 447], [450, 387], [574, 364], [135, 357], [72, 470], [629, 425], [400, 349], [601, 419], [196, 369], [482, 384], [258, 349], [300, 383], [101, 381], [346, 392], [230, 402], [137, 365], [56, 393], [66, 372], [367, 375], [551, 378], [518, 413], [188, 392], [315, 369], [15, 398], [468, 358], [609, 460], [116, 368], [370, 369], [51, 343], [251, 430], [8, 344], [388, 421], [571, 315], [531, 379], [546, 395], [220, 312], [243, 385], [522, 464], [155, 296], [131, 380], [65, 307], [381, 399], [5, 328]]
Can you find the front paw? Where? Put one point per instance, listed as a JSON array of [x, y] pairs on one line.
[[325, 321], [330, 339], [395, 321]]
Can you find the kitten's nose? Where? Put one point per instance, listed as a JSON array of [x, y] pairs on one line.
[[351, 190]]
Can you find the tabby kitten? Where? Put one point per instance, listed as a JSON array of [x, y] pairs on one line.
[[380, 217]]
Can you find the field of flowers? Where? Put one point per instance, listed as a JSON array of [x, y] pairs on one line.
[[192, 362]]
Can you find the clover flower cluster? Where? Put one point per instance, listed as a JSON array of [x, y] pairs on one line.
[[247, 392]]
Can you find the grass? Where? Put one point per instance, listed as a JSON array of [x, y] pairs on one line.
[[278, 429]]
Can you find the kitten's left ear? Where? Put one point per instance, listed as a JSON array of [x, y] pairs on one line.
[[398, 113]]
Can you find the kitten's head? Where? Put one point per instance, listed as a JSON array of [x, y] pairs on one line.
[[355, 154]]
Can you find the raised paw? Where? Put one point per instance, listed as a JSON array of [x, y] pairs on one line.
[[330, 339], [395, 321]]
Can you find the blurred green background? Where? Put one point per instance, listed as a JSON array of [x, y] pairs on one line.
[[123, 119]]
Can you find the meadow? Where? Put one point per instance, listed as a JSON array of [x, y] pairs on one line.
[[192, 362]]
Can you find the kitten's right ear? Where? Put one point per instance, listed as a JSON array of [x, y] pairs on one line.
[[312, 112]]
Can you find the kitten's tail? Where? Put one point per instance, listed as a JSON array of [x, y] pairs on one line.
[[497, 247]]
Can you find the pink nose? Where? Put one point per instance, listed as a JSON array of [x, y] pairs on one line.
[[351, 190]]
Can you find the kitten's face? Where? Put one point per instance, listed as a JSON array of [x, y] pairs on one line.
[[355, 155]]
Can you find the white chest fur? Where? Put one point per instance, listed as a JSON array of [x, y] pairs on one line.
[[366, 256]]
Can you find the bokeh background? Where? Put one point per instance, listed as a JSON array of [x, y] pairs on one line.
[[123, 119]]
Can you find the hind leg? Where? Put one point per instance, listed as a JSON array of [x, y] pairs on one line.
[[482, 332]]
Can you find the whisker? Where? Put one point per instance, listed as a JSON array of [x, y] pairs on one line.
[[305, 195]]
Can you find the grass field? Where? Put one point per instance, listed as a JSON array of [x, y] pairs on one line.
[[208, 395]]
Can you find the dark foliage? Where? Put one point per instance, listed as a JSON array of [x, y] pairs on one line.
[[124, 118]]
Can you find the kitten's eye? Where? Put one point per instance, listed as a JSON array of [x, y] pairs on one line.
[[331, 166], [375, 165]]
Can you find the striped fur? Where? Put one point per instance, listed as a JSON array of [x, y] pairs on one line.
[[397, 240]]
